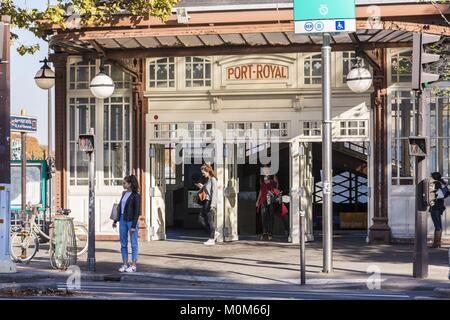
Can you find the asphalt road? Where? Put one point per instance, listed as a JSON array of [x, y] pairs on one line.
[[117, 290]]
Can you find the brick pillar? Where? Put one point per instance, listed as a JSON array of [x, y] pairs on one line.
[[380, 231], [60, 65], [138, 145]]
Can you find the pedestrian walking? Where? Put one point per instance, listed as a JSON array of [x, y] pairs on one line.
[[265, 206], [209, 205], [438, 207], [129, 210]]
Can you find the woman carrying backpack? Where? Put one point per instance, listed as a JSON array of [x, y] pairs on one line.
[[438, 207]]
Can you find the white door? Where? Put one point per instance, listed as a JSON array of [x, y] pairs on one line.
[[157, 192], [231, 191]]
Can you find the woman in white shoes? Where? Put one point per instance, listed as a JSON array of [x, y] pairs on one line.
[[209, 208], [129, 212]]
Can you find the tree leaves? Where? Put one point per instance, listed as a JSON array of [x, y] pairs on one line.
[[88, 12]]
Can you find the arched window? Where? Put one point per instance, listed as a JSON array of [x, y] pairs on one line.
[[312, 67], [198, 72]]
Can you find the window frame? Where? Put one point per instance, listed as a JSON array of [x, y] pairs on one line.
[[175, 75], [206, 60]]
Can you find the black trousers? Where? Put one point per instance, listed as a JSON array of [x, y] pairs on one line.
[[207, 217], [437, 219], [268, 217]]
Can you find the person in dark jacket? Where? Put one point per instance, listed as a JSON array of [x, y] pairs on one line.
[[129, 211], [437, 208]]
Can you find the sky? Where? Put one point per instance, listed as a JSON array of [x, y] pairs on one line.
[[25, 94]]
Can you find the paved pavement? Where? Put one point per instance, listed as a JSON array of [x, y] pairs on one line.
[[185, 260]]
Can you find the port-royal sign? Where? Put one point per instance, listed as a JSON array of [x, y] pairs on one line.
[[257, 71]]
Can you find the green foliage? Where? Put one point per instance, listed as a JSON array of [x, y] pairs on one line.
[[100, 12]]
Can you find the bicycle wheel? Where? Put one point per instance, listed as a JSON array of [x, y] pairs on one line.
[[81, 234], [24, 246]]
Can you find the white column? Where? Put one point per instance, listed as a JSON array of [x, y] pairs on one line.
[[220, 171], [294, 234], [6, 265]]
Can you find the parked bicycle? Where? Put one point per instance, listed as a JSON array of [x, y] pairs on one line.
[[25, 241]]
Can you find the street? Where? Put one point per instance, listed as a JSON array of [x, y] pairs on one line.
[[111, 290]]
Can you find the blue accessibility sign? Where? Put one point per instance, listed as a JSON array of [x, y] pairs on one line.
[[340, 25], [23, 124]]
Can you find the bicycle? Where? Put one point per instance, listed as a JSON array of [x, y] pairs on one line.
[[25, 241]]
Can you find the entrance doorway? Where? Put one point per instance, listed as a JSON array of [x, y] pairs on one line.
[[350, 187]]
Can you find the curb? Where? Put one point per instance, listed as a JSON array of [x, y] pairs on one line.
[[442, 292]]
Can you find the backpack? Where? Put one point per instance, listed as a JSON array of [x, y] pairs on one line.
[[445, 191]]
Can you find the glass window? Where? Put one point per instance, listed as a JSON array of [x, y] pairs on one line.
[[122, 79], [312, 128], [401, 67], [348, 61], [165, 131], [116, 140], [239, 130], [355, 128], [162, 73], [313, 69], [201, 130], [403, 126], [81, 119], [198, 72], [440, 135], [81, 74], [276, 129]]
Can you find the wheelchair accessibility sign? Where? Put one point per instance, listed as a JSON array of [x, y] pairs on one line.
[[324, 16]]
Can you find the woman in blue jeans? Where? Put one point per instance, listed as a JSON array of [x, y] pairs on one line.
[[129, 212]]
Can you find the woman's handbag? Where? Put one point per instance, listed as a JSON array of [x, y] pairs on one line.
[[201, 196], [114, 212]]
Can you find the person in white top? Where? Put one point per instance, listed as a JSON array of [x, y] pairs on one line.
[[129, 212]]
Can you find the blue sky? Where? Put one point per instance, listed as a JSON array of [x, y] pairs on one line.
[[24, 92]]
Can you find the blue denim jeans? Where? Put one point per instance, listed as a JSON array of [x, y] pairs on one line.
[[437, 220], [124, 231]]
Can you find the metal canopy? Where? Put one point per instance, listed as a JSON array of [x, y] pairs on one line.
[[243, 32]]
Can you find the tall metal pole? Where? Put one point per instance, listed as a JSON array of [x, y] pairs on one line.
[[91, 238], [327, 205], [302, 248], [50, 138], [23, 162], [420, 264], [6, 265]]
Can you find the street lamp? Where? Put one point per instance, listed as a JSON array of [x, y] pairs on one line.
[[45, 77], [359, 79], [102, 86]]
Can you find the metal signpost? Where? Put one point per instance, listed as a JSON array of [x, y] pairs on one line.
[[86, 144], [326, 17]]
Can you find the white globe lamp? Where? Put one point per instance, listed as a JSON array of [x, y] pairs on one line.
[[102, 86], [359, 79], [45, 77]]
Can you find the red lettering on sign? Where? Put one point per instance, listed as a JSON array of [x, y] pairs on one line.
[[230, 72], [257, 72]]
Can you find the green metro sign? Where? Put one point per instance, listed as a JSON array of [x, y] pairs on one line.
[[319, 16]]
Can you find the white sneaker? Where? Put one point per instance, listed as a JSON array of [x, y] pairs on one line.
[[130, 269], [216, 235], [210, 242], [123, 268]]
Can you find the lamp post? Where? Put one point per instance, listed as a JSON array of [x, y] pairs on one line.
[[45, 79], [102, 87]]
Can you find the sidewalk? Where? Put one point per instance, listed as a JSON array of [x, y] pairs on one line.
[[184, 259]]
